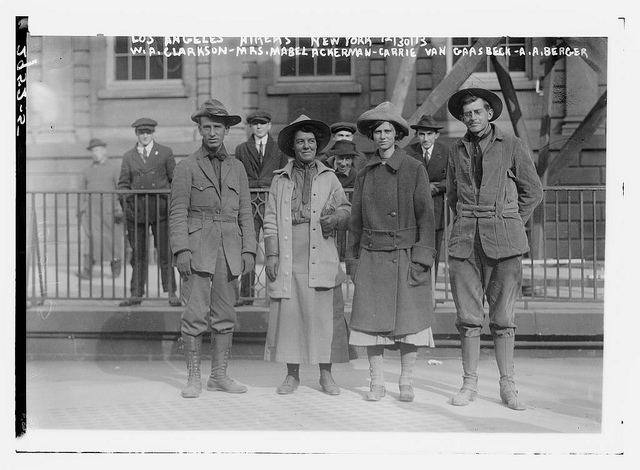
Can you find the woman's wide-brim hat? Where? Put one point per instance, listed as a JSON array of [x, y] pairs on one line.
[[214, 109], [284, 137], [455, 102], [385, 111]]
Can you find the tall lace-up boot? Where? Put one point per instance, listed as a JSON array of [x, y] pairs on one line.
[[470, 347], [503, 348], [220, 351], [192, 346]]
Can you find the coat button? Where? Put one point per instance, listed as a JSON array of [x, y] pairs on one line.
[[394, 260], [286, 238], [217, 211], [393, 214], [391, 234], [369, 245]]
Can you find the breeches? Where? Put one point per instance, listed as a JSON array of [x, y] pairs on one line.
[[479, 277], [209, 300]]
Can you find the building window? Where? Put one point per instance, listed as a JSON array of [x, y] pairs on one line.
[[319, 65], [143, 61], [515, 61]]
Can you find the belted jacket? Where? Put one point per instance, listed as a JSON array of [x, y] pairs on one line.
[[208, 218], [500, 207]]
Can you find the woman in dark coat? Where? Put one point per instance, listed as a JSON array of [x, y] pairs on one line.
[[392, 243]]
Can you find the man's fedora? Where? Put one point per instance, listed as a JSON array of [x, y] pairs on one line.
[[344, 148], [96, 143], [385, 111], [455, 102], [285, 135], [427, 122], [214, 109]]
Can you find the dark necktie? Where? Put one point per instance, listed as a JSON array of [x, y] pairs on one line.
[[476, 159], [215, 163], [261, 151], [144, 154]]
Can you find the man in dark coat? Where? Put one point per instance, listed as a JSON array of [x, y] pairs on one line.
[[213, 242], [433, 155], [492, 189], [260, 156], [149, 166]]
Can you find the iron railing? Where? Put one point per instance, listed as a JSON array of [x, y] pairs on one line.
[[566, 234]]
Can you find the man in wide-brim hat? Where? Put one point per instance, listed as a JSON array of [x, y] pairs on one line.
[[433, 155], [213, 242], [492, 189]]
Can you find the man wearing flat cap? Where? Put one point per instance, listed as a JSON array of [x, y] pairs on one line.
[[260, 156], [343, 131], [213, 242], [147, 166], [100, 212], [433, 155], [492, 188]]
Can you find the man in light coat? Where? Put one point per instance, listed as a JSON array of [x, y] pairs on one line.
[[492, 188], [213, 242]]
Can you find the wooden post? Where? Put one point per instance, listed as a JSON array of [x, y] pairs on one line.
[[575, 143], [511, 101], [403, 80]]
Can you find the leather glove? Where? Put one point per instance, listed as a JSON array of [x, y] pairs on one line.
[[248, 262], [273, 262], [434, 189], [184, 264], [328, 224], [118, 217]]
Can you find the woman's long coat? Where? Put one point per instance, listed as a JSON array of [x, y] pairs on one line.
[[392, 234]]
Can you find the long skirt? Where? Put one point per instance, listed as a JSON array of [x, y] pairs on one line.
[[309, 327]]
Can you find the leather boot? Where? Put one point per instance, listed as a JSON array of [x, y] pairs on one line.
[[376, 360], [220, 350], [327, 383], [470, 347], [503, 347], [408, 354], [116, 267], [192, 346]]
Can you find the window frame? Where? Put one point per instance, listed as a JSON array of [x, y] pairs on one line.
[[146, 88]]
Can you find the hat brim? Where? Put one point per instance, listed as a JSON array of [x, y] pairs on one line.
[[145, 128], [455, 102], [96, 145], [227, 119], [287, 132], [365, 124], [435, 128], [259, 120]]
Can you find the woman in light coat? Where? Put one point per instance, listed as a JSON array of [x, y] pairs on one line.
[[306, 205], [392, 240]]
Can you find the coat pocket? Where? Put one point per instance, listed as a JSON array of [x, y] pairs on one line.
[[202, 192], [418, 275]]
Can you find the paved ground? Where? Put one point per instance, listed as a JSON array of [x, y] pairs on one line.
[[562, 391]]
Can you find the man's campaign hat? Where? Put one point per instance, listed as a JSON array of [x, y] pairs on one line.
[[385, 111], [343, 126], [214, 109], [323, 137], [426, 122], [145, 124], [96, 143], [259, 116], [455, 102]]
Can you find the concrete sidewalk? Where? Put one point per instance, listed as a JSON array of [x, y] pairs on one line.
[[562, 391]]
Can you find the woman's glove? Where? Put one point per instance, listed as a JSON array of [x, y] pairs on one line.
[[273, 261]]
